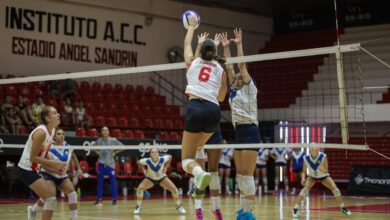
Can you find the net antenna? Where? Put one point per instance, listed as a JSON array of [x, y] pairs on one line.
[[341, 83]]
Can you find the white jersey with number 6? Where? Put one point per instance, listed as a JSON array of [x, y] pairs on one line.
[[204, 79]]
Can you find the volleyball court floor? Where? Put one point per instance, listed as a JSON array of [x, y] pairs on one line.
[[266, 207]]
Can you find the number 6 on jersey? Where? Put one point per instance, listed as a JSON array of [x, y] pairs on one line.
[[204, 74]]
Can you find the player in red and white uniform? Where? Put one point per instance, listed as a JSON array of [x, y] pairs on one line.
[[33, 157], [206, 87]]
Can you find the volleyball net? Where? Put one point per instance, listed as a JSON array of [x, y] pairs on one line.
[[305, 96]]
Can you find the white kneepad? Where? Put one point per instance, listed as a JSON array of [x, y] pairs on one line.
[[185, 163], [214, 183], [248, 185], [50, 204], [72, 197], [200, 154]]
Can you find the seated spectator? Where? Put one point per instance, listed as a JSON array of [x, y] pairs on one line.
[[3, 125], [6, 104], [81, 115], [12, 121], [24, 111], [67, 114], [38, 104]]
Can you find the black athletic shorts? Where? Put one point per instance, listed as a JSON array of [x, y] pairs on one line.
[[57, 181], [247, 134], [202, 116], [156, 182], [320, 179], [28, 177]]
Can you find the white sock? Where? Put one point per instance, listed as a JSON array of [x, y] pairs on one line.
[[196, 171], [296, 206], [139, 202], [341, 205], [227, 188], [73, 214], [248, 205], [198, 203], [242, 198], [36, 207], [178, 202], [215, 201]]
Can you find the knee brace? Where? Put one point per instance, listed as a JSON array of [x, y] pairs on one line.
[[336, 192], [248, 185], [72, 198], [303, 192], [214, 183], [200, 154], [185, 163], [140, 193], [50, 204]]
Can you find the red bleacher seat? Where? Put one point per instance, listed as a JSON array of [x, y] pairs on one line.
[[139, 134], [158, 123], [179, 124], [128, 134], [134, 122], [149, 91], [122, 122], [117, 133], [107, 88], [132, 98], [80, 132], [140, 89], [10, 91], [129, 89], [135, 110], [99, 121], [123, 109], [173, 135], [168, 124], [111, 122], [148, 123], [23, 130], [164, 135], [96, 87], [24, 91], [118, 89], [92, 132]]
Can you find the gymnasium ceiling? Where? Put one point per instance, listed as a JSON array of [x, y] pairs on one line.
[[265, 7]]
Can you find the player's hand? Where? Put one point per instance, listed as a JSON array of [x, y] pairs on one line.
[[217, 40], [224, 39], [192, 20], [237, 36], [202, 37], [59, 165]]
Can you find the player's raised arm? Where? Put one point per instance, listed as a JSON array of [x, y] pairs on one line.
[[188, 53]]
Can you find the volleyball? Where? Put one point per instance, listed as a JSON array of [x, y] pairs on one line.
[[185, 18]]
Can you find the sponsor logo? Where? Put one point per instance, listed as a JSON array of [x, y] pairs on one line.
[[359, 179]]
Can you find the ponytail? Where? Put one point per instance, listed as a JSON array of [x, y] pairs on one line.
[[221, 60], [40, 114]]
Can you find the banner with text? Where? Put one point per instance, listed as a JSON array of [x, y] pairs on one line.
[[369, 180]]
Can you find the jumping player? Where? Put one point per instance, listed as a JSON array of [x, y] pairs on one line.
[[243, 103], [206, 86]]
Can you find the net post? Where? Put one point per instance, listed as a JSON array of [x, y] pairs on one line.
[[342, 102]]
